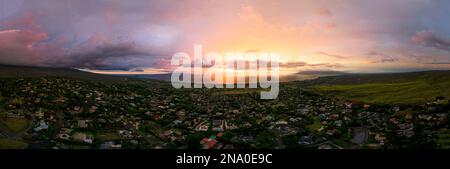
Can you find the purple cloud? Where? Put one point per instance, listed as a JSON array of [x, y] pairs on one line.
[[429, 39]]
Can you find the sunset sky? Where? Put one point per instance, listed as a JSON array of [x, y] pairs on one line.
[[140, 36]]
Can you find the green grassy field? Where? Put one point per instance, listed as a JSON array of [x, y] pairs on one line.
[[406, 91], [444, 138], [14, 125], [11, 144]]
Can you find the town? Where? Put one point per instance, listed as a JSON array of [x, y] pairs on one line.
[[66, 113]]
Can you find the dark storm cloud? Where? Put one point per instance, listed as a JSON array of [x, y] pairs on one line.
[[124, 56], [429, 39], [157, 29], [32, 48]]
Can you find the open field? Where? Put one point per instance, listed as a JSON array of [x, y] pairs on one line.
[[14, 125], [444, 138], [417, 88], [11, 144]]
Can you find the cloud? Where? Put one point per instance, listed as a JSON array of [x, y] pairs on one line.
[[332, 55], [320, 72], [122, 56], [438, 63], [61, 32], [382, 58], [100, 35], [385, 60], [298, 64], [327, 65], [137, 70], [32, 48], [103, 53], [20, 47], [323, 12], [429, 39], [293, 64]]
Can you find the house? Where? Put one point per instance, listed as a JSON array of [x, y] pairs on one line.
[[380, 138], [166, 135], [82, 124], [181, 114], [177, 122], [203, 128], [331, 132], [208, 142], [348, 105], [110, 145], [396, 108], [406, 129], [39, 114], [77, 109], [281, 122], [41, 126], [393, 120], [338, 123], [425, 117], [305, 140], [325, 146], [82, 137], [125, 134], [408, 117], [247, 125], [93, 109], [64, 136], [230, 126], [218, 125]]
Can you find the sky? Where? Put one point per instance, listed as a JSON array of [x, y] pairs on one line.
[[141, 36]]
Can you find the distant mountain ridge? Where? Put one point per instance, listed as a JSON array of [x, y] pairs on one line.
[[9, 71], [349, 78], [342, 78]]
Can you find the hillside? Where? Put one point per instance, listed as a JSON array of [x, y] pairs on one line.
[[399, 88], [8, 71]]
